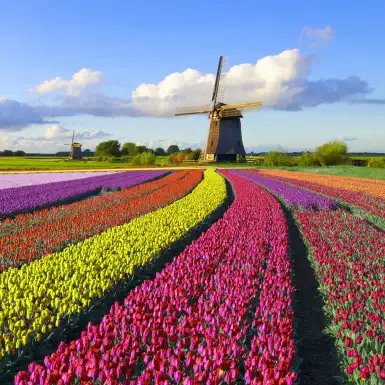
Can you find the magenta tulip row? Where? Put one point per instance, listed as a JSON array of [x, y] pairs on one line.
[[191, 323]]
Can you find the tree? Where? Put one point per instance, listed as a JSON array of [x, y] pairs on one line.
[[129, 148], [172, 149], [147, 158], [87, 152], [141, 149], [196, 154], [279, 158], [108, 148], [62, 153], [308, 159], [376, 162], [186, 151], [160, 151], [19, 153], [136, 160], [143, 159], [8, 153], [333, 152]]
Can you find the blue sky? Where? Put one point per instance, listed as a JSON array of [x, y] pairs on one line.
[[124, 44]]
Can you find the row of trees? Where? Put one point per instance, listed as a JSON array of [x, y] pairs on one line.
[[331, 153], [187, 154], [85, 152], [327, 154], [140, 154], [12, 153], [114, 148]]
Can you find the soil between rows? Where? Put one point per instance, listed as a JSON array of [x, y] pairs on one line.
[[316, 349]]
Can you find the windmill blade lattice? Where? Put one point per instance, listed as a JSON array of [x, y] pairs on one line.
[[222, 80]]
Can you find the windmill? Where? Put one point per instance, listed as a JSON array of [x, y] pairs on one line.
[[224, 139], [76, 148]]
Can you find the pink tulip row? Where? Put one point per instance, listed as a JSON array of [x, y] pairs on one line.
[[190, 324], [272, 349]]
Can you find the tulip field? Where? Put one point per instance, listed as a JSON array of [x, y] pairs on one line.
[[191, 277]]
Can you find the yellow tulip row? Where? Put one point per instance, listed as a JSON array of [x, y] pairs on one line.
[[34, 298]]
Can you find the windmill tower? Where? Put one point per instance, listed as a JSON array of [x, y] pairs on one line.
[[76, 148], [224, 140]]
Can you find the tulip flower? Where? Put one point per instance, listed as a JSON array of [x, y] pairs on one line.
[[293, 196], [364, 373], [195, 313], [25, 237], [348, 342], [351, 283], [26, 198], [90, 268]]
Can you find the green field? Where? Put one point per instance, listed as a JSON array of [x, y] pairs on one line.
[[50, 163], [40, 163], [352, 171]]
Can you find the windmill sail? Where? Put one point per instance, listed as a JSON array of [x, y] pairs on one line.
[[204, 109], [224, 140], [222, 80], [216, 85]]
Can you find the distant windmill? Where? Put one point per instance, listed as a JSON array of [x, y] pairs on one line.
[[224, 140], [76, 148]]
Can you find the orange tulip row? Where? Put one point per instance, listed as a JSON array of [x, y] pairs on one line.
[[367, 186]]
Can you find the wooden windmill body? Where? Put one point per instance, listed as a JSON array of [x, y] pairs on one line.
[[76, 149], [224, 140]]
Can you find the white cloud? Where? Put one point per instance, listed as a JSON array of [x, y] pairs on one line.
[[4, 140], [54, 132], [84, 78], [56, 136], [272, 79], [57, 132], [189, 87], [346, 138], [317, 37], [280, 81], [91, 135], [327, 33]]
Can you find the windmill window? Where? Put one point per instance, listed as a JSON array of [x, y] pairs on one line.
[[212, 143]]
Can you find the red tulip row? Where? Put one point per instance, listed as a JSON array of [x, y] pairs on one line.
[[189, 325], [372, 204], [59, 227], [349, 260]]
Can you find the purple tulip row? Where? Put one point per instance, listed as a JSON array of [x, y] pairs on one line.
[[22, 199], [20, 180], [293, 196], [189, 325]]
